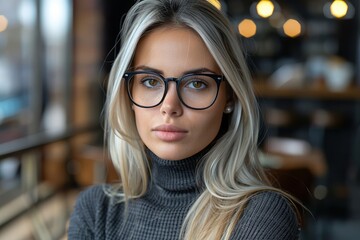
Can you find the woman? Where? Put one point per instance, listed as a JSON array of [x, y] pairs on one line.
[[182, 133]]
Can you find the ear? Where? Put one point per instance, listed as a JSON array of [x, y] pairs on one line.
[[229, 107]]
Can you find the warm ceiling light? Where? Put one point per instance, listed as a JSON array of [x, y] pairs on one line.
[[339, 8], [265, 8], [247, 28], [3, 23], [216, 3], [292, 28]]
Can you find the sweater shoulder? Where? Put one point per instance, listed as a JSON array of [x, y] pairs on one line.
[[268, 215], [92, 198], [89, 212], [95, 192], [274, 203]]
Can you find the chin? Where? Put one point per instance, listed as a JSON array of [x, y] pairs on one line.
[[175, 151], [172, 154], [169, 156]]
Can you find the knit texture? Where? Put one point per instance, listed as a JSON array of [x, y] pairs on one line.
[[160, 213]]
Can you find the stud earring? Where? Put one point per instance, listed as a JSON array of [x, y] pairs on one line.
[[228, 109]]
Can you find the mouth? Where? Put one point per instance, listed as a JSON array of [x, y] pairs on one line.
[[169, 133]]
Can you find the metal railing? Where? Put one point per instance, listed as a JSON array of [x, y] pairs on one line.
[[39, 140], [30, 191]]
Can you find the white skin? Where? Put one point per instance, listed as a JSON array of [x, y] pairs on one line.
[[171, 130]]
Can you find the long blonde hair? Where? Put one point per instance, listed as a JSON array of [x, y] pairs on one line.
[[231, 170]]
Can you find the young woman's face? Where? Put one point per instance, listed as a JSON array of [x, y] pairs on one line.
[[171, 130]]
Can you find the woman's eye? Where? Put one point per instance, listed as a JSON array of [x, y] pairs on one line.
[[196, 85], [150, 82]]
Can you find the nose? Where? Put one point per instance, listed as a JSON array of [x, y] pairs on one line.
[[171, 105]]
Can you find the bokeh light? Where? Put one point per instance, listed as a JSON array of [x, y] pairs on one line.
[[265, 8], [292, 28], [247, 28], [3, 23], [339, 8]]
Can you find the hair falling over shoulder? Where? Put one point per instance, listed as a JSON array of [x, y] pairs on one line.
[[231, 171]]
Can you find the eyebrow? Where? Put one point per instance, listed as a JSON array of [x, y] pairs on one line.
[[196, 70], [147, 68]]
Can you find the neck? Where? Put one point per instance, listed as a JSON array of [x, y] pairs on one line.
[[179, 175]]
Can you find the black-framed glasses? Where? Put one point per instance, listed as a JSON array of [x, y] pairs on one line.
[[148, 89]]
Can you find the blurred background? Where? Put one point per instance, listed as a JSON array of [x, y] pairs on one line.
[[55, 56]]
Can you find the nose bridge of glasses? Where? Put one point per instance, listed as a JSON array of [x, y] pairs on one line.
[[174, 92], [167, 82], [171, 79]]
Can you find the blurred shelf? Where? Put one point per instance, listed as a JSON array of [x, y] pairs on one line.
[[265, 90]]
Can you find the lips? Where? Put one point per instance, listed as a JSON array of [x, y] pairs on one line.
[[169, 133]]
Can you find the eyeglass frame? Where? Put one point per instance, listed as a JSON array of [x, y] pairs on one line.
[[216, 77]]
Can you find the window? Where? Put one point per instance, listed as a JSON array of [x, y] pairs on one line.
[[35, 89]]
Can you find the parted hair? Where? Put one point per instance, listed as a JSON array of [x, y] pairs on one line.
[[230, 171]]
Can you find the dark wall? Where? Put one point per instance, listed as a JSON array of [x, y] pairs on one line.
[[114, 13]]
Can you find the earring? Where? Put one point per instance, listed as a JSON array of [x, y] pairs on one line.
[[228, 109]]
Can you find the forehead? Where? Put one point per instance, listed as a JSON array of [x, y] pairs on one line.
[[173, 50]]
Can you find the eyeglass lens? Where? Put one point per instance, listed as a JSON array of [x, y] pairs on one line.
[[195, 91]]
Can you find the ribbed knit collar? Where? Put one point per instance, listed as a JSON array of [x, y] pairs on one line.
[[176, 175]]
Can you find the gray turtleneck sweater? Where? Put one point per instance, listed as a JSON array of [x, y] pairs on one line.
[[160, 213]]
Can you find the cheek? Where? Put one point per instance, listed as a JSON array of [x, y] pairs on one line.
[[216, 122], [141, 121], [215, 117], [209, 125]]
